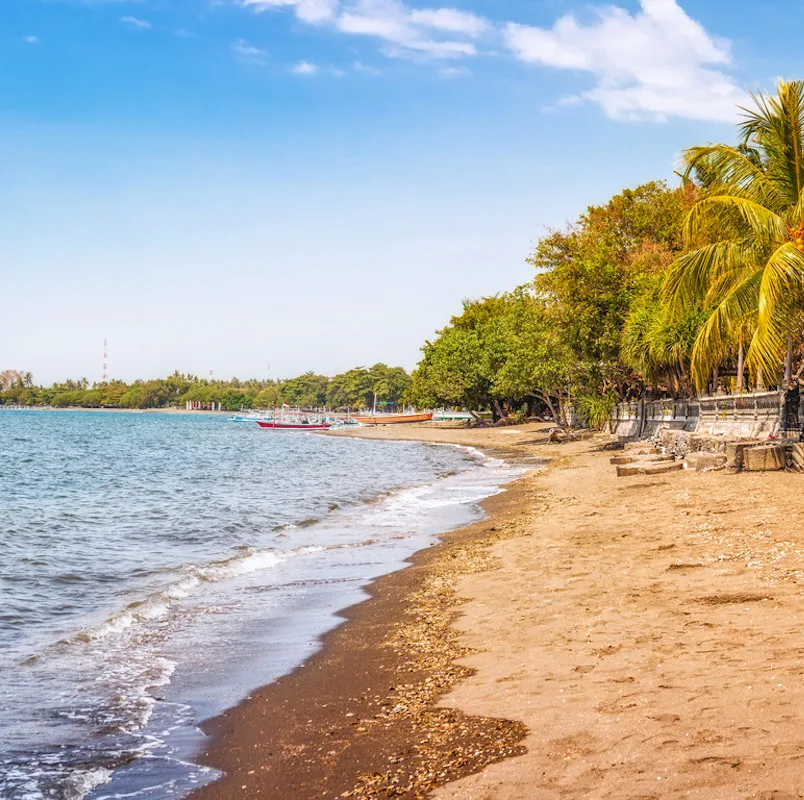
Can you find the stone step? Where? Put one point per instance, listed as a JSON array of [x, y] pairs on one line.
[[655, 468], [642, 458], [641, 445]]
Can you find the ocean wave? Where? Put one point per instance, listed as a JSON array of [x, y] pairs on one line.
[[159, 603]]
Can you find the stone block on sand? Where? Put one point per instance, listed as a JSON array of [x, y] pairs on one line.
[[767, 458], [674, 441], [704, 462], [642, 445], [798, 455], [640, 458], [655, 468], [735, 454]]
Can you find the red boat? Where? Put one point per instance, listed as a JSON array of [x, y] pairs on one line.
[[295, 426]]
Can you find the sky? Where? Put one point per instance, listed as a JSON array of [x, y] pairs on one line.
[[264, 187]]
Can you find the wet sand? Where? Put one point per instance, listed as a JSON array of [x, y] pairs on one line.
[[596, 637]]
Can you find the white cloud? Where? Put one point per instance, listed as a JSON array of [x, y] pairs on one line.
[[248, 53], [304, 68], [450, 19], [359, 66], [312, 11], [454, 72], [135, 22], [403, 31], [655, 64], [30, 39]]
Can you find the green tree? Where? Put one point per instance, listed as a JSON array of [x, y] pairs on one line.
[[590, 274], [307, 391], [746, 239]]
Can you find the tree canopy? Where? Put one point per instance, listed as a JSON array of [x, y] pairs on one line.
[[307, 391]]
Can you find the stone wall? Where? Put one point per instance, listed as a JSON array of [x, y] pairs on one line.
[[748, 416]]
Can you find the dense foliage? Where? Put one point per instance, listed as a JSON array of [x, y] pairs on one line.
[[578, 334], [661, 291], [358, 388]]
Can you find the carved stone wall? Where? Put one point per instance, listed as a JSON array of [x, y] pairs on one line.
[[747, 416]]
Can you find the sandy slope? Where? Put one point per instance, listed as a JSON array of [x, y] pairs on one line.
[[648, 631]]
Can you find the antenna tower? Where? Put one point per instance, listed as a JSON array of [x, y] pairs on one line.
[[105, 370]]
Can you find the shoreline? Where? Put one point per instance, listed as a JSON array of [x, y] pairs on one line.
[[360, 718], [596, 637]]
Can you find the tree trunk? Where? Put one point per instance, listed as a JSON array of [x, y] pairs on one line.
[[760, 380], [546, 399], [788, 362], [714, 379], [498, 409], [740, 368]]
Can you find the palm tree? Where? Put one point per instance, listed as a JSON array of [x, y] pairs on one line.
[[745, 236]]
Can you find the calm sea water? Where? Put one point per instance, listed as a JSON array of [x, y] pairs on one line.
[[156, 568]]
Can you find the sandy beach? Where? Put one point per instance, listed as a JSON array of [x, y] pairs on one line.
[[595, 637]]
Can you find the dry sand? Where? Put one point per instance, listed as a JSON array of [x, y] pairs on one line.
[[647, 631], [643, 634]]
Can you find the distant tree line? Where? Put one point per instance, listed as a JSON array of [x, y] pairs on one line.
[[360, 387]]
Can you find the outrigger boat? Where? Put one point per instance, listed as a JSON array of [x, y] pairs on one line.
[[303, 425], [393, 419], [294, 421]]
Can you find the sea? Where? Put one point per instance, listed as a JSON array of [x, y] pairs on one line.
[[157, 568]]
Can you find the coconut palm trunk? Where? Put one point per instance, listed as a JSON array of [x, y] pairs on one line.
[[788, 361]]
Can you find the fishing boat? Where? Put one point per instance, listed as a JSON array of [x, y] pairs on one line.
[[393, 419], [301, 425], [452, 416]]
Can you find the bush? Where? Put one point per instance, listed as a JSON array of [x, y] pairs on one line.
[[596, 411]]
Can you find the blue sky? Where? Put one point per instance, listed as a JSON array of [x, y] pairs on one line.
[[315, 184]]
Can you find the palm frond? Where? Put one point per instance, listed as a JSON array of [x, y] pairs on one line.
[[780, 293], [725, 167], [717, 337], [691, 278], [760, 223]]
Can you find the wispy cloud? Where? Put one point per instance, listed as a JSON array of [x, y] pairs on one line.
[[248, 53], [405, 32], [311, 11], [359, 66], [304, 68], [656, 64], [449, 19], [30, 39], [652, 64], [136, 22], [454, 72]]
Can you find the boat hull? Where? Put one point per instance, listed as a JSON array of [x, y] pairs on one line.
[[396, 419], [293, 426]]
